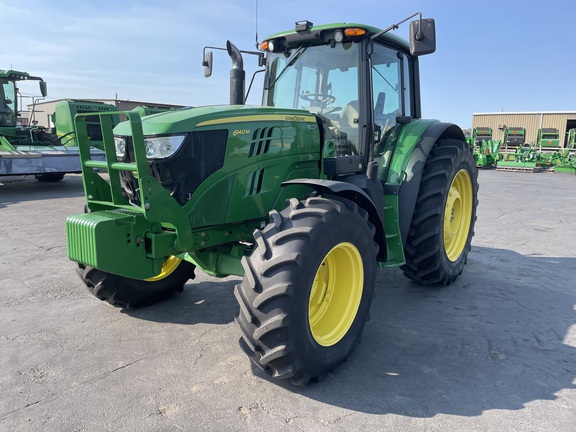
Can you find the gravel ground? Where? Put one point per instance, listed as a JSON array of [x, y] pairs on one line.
[[494, 351]]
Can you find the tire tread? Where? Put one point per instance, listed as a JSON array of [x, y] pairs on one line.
[[424, 251]]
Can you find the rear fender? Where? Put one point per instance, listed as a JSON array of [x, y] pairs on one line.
[[408, 190]]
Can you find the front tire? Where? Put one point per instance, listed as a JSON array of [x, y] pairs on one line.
[[133, 293], [442, 226], [307, 288]]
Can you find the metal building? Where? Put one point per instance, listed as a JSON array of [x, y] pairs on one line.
[[532, 121]]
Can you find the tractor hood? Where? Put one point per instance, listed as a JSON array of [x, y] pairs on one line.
[[189, 119]]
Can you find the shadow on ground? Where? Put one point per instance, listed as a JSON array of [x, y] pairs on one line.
[[500, 337], [210, 302], [15, 189]]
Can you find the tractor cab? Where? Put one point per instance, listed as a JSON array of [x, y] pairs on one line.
[[358, 81], [8, 97], [7, 103]]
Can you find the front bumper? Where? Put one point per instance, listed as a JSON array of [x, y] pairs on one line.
[[119, 242]]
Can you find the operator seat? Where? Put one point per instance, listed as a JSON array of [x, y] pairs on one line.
[[379, 117], [382, 119], [349, 115], [349, 129]]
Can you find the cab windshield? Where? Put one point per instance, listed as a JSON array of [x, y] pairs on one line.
[[322, 80]]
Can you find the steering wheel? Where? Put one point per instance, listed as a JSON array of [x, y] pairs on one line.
[[318, 99]]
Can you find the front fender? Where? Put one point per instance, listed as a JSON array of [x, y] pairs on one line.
[[352, 192]]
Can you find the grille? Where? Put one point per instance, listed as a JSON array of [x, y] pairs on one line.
[[201, 155]]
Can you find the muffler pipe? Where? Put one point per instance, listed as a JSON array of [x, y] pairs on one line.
[[237, 75]]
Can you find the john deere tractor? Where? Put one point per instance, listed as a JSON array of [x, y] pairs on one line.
[[304, 197]]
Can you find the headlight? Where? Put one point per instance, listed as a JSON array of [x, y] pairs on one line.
[[120, 146], [163, 147]]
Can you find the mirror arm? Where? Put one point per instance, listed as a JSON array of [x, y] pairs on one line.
[[395, 26], [204, 52], [260, 55]]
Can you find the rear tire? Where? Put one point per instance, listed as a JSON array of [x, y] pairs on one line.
[[442, 226], [133, 293], [307, 288]]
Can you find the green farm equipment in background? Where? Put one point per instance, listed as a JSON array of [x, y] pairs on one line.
[[63, 120], [481, 134], [571, 140], [547, 138], [66, 110], [523, 159], [514, 137], [30, 149], [485, 148], [486, 154], [304, 197], [564, 161], [517, 156], [545, 154]]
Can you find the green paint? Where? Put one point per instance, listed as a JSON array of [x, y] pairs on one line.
[[264, 148]]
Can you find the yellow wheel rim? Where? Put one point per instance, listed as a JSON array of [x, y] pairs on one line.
[[168, 268], [336, 294], [458, 215]]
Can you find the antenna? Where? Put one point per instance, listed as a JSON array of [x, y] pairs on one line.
[[257, 43]]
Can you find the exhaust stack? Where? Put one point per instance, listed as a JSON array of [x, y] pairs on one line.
[[237, 75]]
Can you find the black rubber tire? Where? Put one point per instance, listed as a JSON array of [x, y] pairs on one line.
[[132, 293], [49, 177], [426, 258], [275, 291]]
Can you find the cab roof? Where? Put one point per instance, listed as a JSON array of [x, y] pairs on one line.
[[320, 34], [15, 75]]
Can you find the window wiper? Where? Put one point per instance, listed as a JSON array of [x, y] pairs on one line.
[[295, 57]]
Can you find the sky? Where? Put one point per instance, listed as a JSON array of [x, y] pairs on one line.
[[491, 56]]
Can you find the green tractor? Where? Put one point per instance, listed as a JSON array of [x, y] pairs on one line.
[[304, 197]]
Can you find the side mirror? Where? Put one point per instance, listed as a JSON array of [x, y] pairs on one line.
[[43, 88], [207, 63], [422, 37]]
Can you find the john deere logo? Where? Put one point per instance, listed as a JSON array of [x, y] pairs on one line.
[[241, 132], [295, 118]]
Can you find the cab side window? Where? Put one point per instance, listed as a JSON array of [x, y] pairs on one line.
[[7, 103], [391, 85]]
